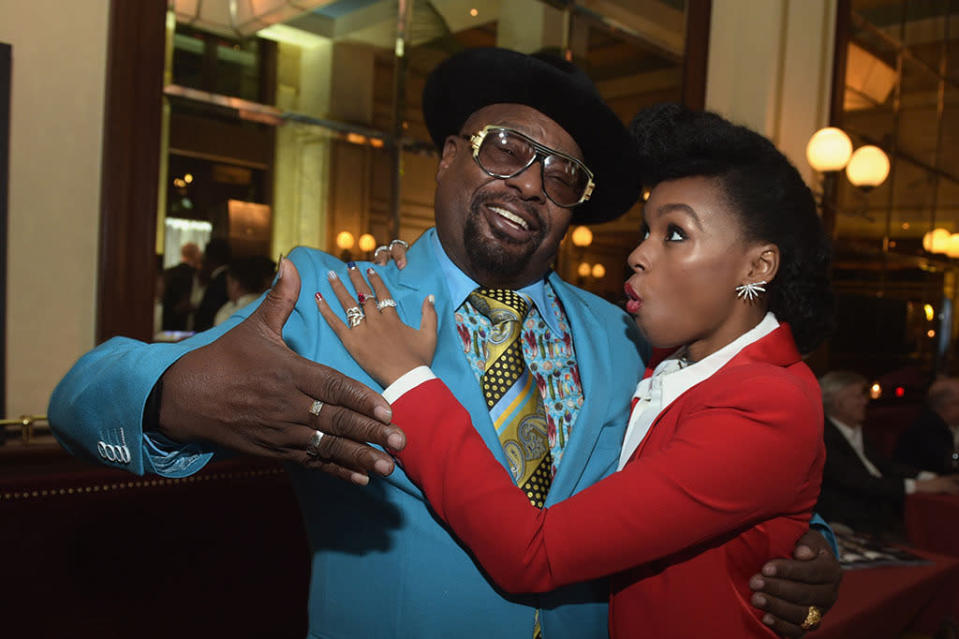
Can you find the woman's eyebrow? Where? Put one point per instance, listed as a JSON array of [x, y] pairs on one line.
[[682, 208]]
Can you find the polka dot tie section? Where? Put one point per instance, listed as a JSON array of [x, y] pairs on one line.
[[512, 397]]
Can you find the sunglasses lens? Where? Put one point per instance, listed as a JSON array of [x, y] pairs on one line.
[[505, 154]]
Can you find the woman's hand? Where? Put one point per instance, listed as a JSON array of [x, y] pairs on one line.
[[395, 250], [376, 337]]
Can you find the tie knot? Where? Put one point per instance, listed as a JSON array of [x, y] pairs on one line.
[[500, 304]]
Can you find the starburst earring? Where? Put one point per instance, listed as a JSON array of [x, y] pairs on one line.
[[751, 290]]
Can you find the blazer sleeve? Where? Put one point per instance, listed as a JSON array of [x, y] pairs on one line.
[[726, 467]]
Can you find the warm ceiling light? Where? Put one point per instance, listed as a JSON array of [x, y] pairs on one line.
[[188, 178], [868, 167], [367, 242], [952, 248], [929, 311], [828, 149], [584, 269], [474, 12], [930, 333], [599, 271], [875, 391], [582, 236], [936, 241], [345, 241]]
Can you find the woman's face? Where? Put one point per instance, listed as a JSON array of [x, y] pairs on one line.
[[687, 267]]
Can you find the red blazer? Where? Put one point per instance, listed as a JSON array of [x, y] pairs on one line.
[[726, 478]]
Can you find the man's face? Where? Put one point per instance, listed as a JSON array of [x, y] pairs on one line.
[[849, 405], [500, 232]]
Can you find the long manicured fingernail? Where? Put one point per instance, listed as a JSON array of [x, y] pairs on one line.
[[370, 271], [318, 297], [351, 265], [431, 298], [396, 441], [359, 479], [331, 275], [383, 414], [383, 467]]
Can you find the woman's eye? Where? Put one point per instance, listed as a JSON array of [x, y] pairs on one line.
[[674, 234], [643, 233]]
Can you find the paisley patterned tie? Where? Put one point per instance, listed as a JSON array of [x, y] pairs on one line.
[[512, 397]]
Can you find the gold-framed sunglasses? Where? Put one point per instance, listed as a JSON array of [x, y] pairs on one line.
[[504, 153]]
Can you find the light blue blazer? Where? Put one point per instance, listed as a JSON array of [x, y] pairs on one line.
[[383, 565]]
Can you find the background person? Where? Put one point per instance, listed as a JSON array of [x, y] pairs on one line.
[[861, 488], [932, 442]]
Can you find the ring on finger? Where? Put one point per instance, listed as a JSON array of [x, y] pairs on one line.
[[389, 302], [316, 407], [400, 242], [313, 448], [363, 298], [354, 315], [813, 618], [380, 249]]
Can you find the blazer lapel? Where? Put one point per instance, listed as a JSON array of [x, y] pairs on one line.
[[593, 359], [422, 276]]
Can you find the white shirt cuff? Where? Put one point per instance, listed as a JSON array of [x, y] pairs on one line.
[[910, 486], [407, 382]]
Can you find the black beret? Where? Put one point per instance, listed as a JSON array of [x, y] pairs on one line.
[[475, 78]]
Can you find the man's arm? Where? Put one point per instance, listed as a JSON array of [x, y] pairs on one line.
[[241, 389], [786, 588]]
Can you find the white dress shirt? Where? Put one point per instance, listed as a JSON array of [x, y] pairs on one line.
[[673, 377]]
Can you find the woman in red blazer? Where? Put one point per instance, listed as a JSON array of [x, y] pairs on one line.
[[723, 456]]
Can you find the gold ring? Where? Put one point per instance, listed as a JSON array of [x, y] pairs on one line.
[[813, 618]]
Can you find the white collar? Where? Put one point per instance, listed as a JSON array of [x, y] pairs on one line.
[[672, 378], [686, 376]]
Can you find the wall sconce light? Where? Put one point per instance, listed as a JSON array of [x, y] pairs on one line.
[[875, 391], [367, 242], [582, 236], [828, 149], [868, 167], [344, 242], [599, 271], [941, 241], [584, 269]]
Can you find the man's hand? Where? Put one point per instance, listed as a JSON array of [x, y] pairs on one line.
[[787, 587], [249, 392]]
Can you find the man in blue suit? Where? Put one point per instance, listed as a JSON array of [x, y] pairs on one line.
[[382, 566]]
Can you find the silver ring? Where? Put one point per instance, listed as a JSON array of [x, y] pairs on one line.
[[379, 249], [313, 448], [400, 242], [389, 302], [316, 407], [354, 316]]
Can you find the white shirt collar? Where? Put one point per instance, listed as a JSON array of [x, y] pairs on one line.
[[681, 380], [672, 378]]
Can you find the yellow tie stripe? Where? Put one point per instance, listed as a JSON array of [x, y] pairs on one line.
[[512, 397]]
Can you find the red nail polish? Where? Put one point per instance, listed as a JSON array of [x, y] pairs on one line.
[[318, 297]]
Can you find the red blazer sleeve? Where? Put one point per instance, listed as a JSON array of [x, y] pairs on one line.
[[725, 467]]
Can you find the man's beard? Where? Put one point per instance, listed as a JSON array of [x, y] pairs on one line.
[[491, 256]]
